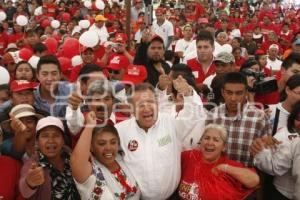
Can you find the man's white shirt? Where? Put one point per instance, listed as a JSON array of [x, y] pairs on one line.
[[164, 31]]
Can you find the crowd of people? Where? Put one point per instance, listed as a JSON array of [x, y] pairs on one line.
[[200, 101]]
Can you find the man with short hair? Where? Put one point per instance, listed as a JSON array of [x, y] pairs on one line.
[[51, 95], [243, 121], [151, 141], [151, 54], [203, 66], [162, 27], [182, 44]]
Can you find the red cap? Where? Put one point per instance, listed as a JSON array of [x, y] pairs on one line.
[[84, 48], [120, 38], [117, 63], [202, 21], [160, 11], [20, 85], [156, 37], [173, 17], [135, 74], [260, 52]]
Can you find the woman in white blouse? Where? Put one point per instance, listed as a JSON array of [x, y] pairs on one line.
[[103, 175]]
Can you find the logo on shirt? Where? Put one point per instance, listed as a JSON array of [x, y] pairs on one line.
[[133, 145], [164, 140], [189, 191]]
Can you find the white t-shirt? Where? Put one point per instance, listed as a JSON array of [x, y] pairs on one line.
[[102, 32], [164, 31], [182, 45], [283, 115], [138, 36], [274, 65], [190, 52]]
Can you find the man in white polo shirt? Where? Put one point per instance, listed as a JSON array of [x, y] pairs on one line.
[[162, 27], [151, 141]]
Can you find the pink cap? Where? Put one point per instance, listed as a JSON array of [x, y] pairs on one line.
[[49, 121]]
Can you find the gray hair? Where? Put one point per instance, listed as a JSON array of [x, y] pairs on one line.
[[101, 87], [221, 130]]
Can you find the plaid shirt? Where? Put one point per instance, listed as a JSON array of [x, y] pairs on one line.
[[242, 129]]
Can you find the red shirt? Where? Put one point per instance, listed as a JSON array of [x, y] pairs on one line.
[[9, 178], [14, 38], [198, 72], [198, 181]]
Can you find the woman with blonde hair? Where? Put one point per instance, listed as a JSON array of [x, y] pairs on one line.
[[208, 174]]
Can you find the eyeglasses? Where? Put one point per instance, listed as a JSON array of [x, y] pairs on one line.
[[111, 71]]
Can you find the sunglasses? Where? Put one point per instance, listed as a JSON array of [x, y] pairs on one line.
[[111, 71]]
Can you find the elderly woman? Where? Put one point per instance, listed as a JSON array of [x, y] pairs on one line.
[[103, 175], [207, 173], [47, 175], [278, 161]]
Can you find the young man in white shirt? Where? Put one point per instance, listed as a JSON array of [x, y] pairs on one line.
[[151, 141], [163, 28], [182, 44]]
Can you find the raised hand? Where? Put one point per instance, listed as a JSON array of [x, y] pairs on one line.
[[35, 176], [91, 119], [74, 100], [182, 87]]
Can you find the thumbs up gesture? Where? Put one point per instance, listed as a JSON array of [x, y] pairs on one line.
[[35, 176]]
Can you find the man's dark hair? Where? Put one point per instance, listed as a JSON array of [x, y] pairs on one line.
[[293, 81], [48, 59], [292, 117], [205, 35], [290, 60], [87, 69], [5, 87], [185, 72], [30, 32], [39, 47], [234, 77]]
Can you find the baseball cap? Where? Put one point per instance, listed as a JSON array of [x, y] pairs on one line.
[[202, 21], [20, 85], [135, 74], [225, 57], [260, 52], [11, 46], [120, 38], [117, 63], [100, 18], [296, 42], [24, 110], [155, 38], [274, 46], [49, 121]]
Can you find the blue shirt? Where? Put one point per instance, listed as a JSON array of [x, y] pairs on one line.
[[58, 108]]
